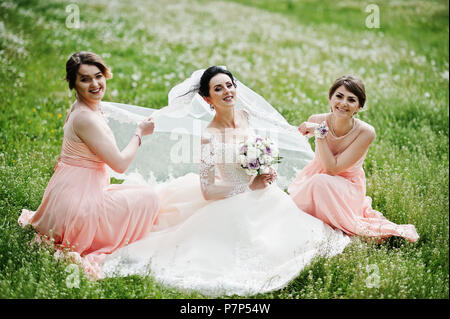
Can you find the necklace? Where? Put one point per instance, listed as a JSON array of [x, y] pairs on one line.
[[332, 125]]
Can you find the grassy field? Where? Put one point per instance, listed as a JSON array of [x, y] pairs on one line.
[[288, 51]]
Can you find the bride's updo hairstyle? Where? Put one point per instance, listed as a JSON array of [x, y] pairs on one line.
[[84, 57], [208, 75], [353, 84]]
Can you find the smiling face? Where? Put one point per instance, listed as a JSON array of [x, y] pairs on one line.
[[90, 83], [344, 103], [222, 93]]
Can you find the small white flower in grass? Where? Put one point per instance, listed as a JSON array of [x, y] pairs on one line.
[[136, 76], [427, 95], [114, 93]]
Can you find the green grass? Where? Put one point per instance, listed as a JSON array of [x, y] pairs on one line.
[[289, 52]]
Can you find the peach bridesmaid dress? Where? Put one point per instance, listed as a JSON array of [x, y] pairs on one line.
[[341, 200], [82, 211]]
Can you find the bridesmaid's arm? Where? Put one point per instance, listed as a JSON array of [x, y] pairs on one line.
[[335, 164], [308, 131], [87, 128]]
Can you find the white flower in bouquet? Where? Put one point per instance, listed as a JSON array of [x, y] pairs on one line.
[[265, 169], [274, 150], [265, 159], [258, 155], [253, 153], [243, 160]]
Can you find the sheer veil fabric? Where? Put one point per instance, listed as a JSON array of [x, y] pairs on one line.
[[173, 150], [248, 243]]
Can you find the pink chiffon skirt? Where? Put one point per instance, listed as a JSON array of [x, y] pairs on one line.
[[82, 212], [340, 201]]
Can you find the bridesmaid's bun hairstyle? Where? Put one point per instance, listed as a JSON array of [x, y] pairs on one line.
[[208, 75], [84, 57], [353, 84]]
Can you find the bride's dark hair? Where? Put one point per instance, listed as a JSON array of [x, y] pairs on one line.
[[203, 87], [209, 73]]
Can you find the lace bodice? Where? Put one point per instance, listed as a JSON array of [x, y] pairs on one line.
[[221, 174], [227, 163]]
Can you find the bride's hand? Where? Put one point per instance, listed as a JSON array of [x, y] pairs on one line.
[[146, 127], [260, 182], [272, 175]]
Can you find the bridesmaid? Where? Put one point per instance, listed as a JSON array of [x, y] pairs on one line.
[[333, 186], [80, 209]]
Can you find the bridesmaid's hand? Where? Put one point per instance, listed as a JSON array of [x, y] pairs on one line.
[[307, 128], [146, 127], [304, 130]]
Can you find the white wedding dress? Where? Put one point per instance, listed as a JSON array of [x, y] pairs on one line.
[[246, 243]]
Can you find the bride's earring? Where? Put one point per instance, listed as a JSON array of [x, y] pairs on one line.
[[211, 107]]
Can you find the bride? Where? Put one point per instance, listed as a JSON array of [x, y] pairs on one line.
[[221, 232]]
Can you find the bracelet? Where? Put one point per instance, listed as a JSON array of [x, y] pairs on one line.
[[140, 138], [321, 131]]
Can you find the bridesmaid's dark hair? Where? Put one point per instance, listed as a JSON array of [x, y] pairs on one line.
[[353, 84], [84, 57], [209, 73]]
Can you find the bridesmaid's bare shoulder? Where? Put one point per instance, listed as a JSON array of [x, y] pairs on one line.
[[367, 130], [83, 118], [317, 118], [85, 121]]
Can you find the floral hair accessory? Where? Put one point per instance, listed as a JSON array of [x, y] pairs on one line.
[[321, 131]]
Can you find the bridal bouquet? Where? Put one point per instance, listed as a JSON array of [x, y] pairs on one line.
[[257, 155]]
